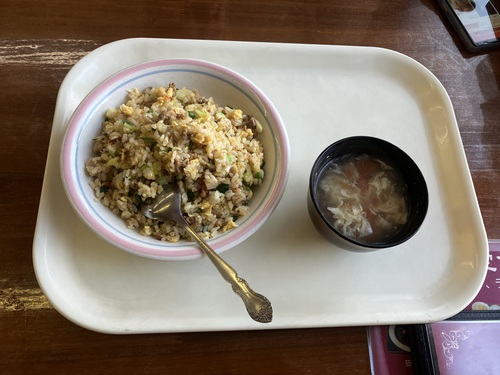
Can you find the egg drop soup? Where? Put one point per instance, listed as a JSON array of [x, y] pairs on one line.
[[363, 198]]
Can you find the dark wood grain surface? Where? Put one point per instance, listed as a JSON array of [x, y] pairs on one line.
[[41, 40]]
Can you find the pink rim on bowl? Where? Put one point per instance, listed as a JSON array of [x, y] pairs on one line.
[[80, 193]]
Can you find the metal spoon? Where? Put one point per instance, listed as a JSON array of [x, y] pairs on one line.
[[167, 206]]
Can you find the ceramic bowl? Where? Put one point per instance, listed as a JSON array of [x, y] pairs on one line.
[[413, 182], [226, 87]]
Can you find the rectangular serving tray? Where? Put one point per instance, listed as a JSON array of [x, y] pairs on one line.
[[324, 93]]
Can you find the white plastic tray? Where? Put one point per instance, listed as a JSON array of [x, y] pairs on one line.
[[324, 93]]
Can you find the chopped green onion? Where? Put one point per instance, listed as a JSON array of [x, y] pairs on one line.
[[200, 113], [128, 127], [138, 199], [149, 141], [162, 180], [222, 188], [247, 178], [182, 94], [259, 175], [112, 162]]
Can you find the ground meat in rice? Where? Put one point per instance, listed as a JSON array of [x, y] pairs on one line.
[[167, 135]]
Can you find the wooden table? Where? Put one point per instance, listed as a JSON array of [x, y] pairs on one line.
[[39, 43]]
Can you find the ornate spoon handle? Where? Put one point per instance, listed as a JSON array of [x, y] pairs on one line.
[[259, 307]]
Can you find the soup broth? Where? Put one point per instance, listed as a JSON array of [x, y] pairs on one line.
[[363, 198]]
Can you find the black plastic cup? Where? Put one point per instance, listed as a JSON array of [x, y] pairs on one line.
[[418, 197]]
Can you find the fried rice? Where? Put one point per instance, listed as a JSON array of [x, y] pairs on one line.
[[166, 135]]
